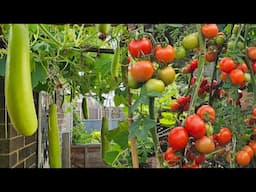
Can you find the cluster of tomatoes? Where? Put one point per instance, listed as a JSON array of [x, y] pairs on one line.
[[142, 71], [195, 139], [247, 152], [182, 104]]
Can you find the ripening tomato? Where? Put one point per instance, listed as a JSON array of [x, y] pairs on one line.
[[243, 158], [249, 150], [205, 145], [132, 83], [180, 52], [224, 136], [237, 76], [164, 54], [190, 41], [206, 112], [209, 30], [178, 138], [195, 126], [167, 75], [227, 64], [175, 106], [171, 157], [251, 52], [210, 55], [142, 71], [140, 47]]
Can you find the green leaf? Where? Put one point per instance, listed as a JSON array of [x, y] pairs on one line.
[[141, 127], [228, 28], [41, 87], [110, 157], [120, 134], [119, 99], [2, 66], [38, 75]]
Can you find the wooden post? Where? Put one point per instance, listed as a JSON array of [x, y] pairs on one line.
[[66, 150]]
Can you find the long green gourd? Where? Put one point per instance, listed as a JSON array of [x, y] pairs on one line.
[[18, 87], [53, 138]]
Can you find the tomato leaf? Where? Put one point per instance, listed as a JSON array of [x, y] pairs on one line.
[[141, 127]]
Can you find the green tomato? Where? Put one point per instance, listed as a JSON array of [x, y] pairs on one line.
[[190, 41], [180, 52], [231, 45], [220, 40], [247, 77], [240, 45], [155, 85]]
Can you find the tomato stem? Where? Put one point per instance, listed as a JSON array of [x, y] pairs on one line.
[[135, 161], [200, 69], [153, 131]]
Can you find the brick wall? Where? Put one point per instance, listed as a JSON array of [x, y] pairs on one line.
[[16, 151]]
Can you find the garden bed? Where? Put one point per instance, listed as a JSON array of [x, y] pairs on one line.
[[86, 156]]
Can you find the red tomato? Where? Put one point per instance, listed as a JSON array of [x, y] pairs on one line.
[[178, 138], [224, 136], [209, 30], [140, 47], [243, 158], [195, 126], [249, 150], [142, 71], [243, 67], [175, 106], [251, 52], [252, 144], [171, 157], [164, 54], [192, 66], [254, 66], [206, 112], [237, 76], [227, 64], [254, 111]]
